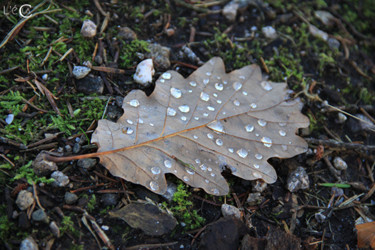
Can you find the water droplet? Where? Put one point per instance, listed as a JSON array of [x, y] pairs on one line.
[[205, 97], [210, 108], [208, 73], [207, 181], [134, 103], [256, 166], [205, 114], [225, 82], [282, 124], [237, 86], [257, 175], [282, 132], [190, 91], [215, 191], [206, 81], [259, 156], [236, 103], [262, 122], [155, 170], [195, 137], [196, 118], [253, 106], [162, 80], [184, 108], [242, 153], [129, 131], [203, 167], [171, 111], [266, 141], [154, 185], [209, 169], [167, 163], [212, 174], [197, 161], [129, 121], [231, 150], [210, 136], [219, 86], [183, 118], [244, 92], [266, 85], [185, 178], [151, 124], [140, 121], [224, 113], [176, 93], [166, 75], [190, 171], [193, 84], [219, 142], [219, 101], [214, 94], [284, 147], [242, 77], [217, 126], [256, 134], [249, 128]]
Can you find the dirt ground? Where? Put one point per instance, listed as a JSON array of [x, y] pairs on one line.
[[324, 50]]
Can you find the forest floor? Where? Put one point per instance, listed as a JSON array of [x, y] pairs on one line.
[[324, 50]]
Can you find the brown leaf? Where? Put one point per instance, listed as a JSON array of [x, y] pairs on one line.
[[194, 127]]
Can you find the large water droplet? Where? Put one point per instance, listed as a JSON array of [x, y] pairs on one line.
[[193, 84], [244, 93], [262, 122], [237, 86], [214, 94], [162, 80], [219, 101], [236, 103], [151, 124], [184, 108], [259, 156], [129, 131], [266, 85], [155, 170], [167, 163], [129, 121], [154, 185], [212, 174], [203, 167], [195, 137], [231, 150], [210, 108], [209, 169], [210, 136], [196, 118], [190, 171], [205, 114], [266, 141], [219, 142], [185, 178], [171, 111], [242, 153], [176, 93], [166, 75], [249, 128], [206, 81], [219, 86], [140, 121], [217, 126], [134, 103], [282, 132], [183, 118], [205, 97], [256, 166]]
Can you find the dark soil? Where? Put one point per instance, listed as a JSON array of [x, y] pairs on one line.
[[316, 72]]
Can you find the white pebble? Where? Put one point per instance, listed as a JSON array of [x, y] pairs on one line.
[[339, 163], [144, 72], [88, 28], [80, 72], [269, 32]]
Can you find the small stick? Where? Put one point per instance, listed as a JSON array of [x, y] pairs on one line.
[[36, 196], [264, 65], [332, 169], [341, 145], [7, 159]]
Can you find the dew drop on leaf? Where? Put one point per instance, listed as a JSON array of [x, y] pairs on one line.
[[134, 103], [184, 108], [205, 97], [171, 111], [167, 164], [166, 75], [242, 153], [266, 85], [219, 86], [217, 126], [155, 170], [282, 132], [249, 128], [262, 122], [154, 185], [266, 141], [237, 86], [176, 93]]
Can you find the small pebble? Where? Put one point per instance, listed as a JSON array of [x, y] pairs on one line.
[[80, 72], [70, 198], [109, 199], [259, 185], [333, 43], [160, 55], [269, 32], [339, 163], [9, 119], [54, 229], [325, 17], [254, 199], [127, 34], [105, 227], [318, 33], [45, 77], [341, 118], [76, 148], [320, 218], [144, 72], [229, 210], [230, 11], [90, 85], [87, 163], [119, 100], [61, 180], [88, 29], [24, 199], [298, 179], [29, 244], [42, 167], [40, 216]]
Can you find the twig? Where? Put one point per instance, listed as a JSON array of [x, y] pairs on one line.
[[341, 145], [7, 159], [36, 196], [151, 246]]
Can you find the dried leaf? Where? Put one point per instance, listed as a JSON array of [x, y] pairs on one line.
[[194, 127]]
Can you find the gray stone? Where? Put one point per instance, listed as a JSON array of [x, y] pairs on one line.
[[76, 148], [109, 199], [339, 163], [259, 185], [127, 33], [147, 217], [333, 44], [43, 167], [298, 179], [40, 216], [230, 11], [229, 210], [70, 198], [160, 56], [269, 32], [87, 163], [61, 180], [24, 199], [254, 199], [90, 85], [54, 229], [119, 100], [80, 72], [29, 244], [88, 29]]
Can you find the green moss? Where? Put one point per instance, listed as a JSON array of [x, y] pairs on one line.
[[129, 58], [67, 225], [27, 172]]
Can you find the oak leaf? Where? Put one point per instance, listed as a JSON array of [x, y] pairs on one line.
[[195, 127]]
